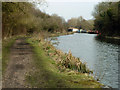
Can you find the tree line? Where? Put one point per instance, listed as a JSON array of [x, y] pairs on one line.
[[80, 23], [107, 18], [24, 18]]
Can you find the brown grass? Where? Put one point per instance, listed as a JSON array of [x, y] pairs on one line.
[[63, 60]]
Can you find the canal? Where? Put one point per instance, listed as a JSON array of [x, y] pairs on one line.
[[101, 57]]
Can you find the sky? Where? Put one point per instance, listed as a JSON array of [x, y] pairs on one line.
[[70, 8]]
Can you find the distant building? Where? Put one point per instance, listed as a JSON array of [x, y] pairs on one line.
[[81, 30], [71, 29]]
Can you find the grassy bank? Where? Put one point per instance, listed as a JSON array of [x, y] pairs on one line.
[[60, 34], [54, 69], [46, 34]]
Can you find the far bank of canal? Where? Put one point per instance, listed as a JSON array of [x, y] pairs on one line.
[[101, 57]]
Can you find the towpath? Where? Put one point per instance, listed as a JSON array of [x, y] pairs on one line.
[[19, 65]]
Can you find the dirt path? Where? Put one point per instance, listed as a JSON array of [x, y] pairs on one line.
[[19, 65]]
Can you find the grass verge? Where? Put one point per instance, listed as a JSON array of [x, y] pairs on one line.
[[49, 73]]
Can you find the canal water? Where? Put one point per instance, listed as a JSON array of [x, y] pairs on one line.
[[101, 57]]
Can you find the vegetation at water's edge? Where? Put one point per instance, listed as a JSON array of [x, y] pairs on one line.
[[63, 59], [113, 40], [53, 68]]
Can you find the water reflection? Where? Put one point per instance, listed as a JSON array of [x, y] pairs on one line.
[[101, 57]]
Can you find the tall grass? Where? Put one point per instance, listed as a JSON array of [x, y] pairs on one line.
[[60, 69], [63, 60]]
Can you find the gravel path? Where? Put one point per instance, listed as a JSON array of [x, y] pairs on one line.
[[19, 65]]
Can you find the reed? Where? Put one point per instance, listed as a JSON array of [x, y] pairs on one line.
[[63, 60], [56, 66]]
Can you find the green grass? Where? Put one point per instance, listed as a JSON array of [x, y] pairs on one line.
[[48, 75], [6, 45]]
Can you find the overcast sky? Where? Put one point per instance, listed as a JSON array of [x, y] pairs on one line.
[[71, 8]]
